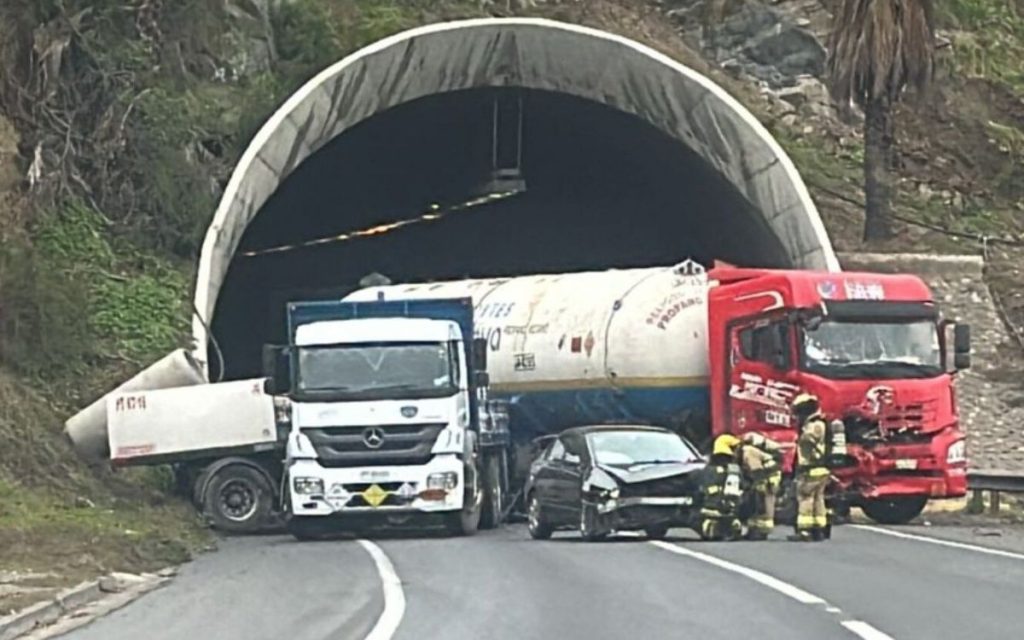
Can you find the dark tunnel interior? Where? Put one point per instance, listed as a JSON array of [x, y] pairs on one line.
[[604, 189]]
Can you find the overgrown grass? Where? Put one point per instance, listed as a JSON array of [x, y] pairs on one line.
[[990, 39]]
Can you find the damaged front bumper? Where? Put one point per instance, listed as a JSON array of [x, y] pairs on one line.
[[641, 512]]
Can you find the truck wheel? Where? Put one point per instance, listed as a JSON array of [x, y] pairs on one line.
[[536, 523], [466, 521], [493, 495], [238, 499], [894, 510]]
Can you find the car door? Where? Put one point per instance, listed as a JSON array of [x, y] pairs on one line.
[[566, 480], [543, 475]]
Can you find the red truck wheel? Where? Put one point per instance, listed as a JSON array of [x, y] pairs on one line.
[[894, 510]]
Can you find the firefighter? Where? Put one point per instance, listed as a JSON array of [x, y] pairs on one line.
[[759, 459], [812, 474], [721, 492]]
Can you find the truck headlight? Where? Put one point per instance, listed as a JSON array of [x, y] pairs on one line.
[[448, 480], [307, 486], [957, 452]]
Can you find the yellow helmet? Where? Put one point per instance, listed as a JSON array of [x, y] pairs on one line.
[[725, 444], [805, 399]]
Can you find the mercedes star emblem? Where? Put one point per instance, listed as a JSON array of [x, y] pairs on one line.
[[373, 438]]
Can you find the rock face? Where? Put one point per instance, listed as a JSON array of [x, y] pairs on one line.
[[991, 392], [758, 40]]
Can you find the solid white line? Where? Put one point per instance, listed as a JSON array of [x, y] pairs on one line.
[[944, 543], [394, 597], [784, 588], [865, 630]]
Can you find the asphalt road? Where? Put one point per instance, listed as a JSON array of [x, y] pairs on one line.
[[501, 585]]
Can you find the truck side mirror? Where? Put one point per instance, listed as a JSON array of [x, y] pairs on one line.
[[480, 354], [962, 346], [277, 368]]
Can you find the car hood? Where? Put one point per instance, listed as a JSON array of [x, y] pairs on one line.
[[650, 472]]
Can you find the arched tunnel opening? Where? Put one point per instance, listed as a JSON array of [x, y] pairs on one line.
[[603, 189]]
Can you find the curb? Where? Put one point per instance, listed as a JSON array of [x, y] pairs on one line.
[[116, 586]]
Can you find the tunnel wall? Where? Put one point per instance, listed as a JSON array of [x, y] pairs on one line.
[[527, 53]]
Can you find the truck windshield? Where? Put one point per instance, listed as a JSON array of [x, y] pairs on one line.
[[377, 371], [883, 350]]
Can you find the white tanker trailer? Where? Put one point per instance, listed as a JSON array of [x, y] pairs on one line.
[[725, 352]]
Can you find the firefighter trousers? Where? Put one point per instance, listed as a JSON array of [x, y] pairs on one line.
[[810, 491], [765, 492], [714, 525]]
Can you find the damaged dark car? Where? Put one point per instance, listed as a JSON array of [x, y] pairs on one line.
[[603, 479]]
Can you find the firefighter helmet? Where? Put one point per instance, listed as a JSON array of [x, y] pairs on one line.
[[806, 400], [725, 444]]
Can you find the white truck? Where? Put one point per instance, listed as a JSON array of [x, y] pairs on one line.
[[388, 417]]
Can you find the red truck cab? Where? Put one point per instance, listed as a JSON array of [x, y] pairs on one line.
[[875, 351]]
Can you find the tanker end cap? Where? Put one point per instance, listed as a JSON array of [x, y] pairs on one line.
[[374, 279]]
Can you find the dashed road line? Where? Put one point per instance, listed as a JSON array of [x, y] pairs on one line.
[[857, 627], [394, 596], [938, 541]]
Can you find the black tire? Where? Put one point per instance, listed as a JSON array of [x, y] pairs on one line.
[[658, 532], [308, 528], [894, 510], [494, 495], [589, 526], [536, 523], [466, 521], [238, 499]]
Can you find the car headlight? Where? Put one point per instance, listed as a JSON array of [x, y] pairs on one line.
[[448, 480], [957, 452], [612, 494], [307, 486]]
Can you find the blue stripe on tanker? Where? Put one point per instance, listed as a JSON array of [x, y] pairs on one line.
[[537, 413]]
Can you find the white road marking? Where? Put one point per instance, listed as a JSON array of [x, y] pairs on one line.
[[857, 627], [394, 597], [865, 630], [784, 588], [944, 543]]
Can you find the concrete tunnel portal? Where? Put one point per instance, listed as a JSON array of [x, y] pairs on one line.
[[629, 159]]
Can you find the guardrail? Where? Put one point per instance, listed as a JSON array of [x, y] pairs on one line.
[[995, 482]]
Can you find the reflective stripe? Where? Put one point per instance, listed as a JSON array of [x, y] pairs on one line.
[[818, 472], [820, 521], [805, 522]]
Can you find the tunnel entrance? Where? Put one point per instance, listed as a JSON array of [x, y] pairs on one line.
[[604, 189], [634, 161]]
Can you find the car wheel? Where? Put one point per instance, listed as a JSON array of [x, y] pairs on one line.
[[657, 533], [589, 525], [536, 523]]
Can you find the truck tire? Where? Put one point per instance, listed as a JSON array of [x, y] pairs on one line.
[[466, 521], [238, 499], [899, 510], [536, 523], [493, 493]]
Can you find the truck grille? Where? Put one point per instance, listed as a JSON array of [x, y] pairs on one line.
[[400, 444]]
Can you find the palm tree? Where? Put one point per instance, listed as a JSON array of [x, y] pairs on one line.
[[877, 49]]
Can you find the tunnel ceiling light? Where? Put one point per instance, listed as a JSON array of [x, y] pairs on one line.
[[434, 213]]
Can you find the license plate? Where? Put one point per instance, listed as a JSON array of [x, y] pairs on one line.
[[906, 463]]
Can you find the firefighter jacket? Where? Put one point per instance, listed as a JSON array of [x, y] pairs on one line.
[[757, 465], [812, 446], [720, 489]]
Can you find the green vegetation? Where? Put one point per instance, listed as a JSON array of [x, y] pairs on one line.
[[989, 39]]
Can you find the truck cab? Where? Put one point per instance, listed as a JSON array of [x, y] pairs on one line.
[[875, 351], [385, 416]]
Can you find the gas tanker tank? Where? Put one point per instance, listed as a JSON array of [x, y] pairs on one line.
[[589, 347]]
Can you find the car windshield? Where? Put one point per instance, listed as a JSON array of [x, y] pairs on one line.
[[890, 350], [373, 371], [629, 448]]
